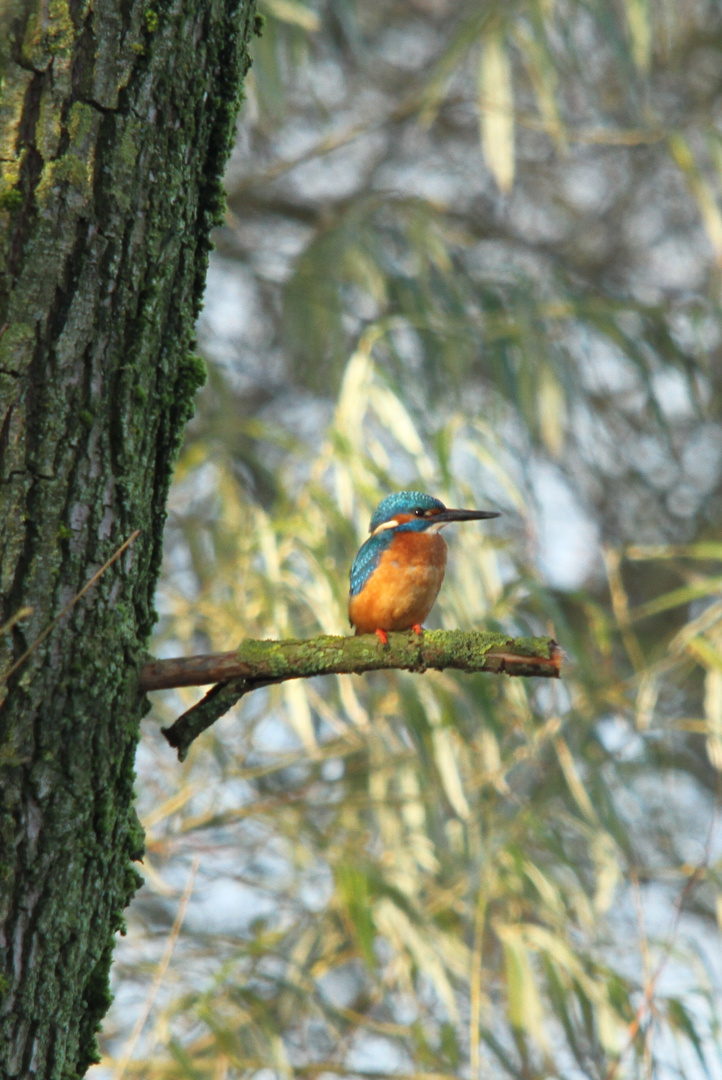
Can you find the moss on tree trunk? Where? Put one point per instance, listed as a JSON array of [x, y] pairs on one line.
[[115, 123]]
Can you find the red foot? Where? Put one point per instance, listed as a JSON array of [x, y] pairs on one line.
[[382, 635], [418, 629]]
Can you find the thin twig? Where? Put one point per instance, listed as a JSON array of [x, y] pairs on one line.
[[368, 125], [23, 613], [69, 606], [647, 1003], [620, 604], [160, 973], [476, 974]]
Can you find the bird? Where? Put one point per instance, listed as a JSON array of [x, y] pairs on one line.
[[398, 571]]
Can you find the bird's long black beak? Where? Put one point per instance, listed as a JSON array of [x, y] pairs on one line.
[[464, 515]]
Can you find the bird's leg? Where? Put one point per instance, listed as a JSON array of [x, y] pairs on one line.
[[381, 635], [418, 629]]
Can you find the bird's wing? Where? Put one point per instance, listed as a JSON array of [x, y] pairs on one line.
[[368, 558]]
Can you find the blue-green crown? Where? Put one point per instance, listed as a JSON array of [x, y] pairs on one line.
[[403, 502]]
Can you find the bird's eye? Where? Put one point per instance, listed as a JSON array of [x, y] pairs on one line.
[[419, 511]]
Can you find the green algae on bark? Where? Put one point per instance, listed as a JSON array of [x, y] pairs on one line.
[[114, 132]]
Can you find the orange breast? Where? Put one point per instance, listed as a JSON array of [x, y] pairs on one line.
[[402, 589]]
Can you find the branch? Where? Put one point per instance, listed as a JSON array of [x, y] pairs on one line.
[[260, 663]]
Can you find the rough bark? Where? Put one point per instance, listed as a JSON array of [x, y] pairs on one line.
[[115, 122]]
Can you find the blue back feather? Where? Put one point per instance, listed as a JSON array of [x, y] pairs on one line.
[[368, 558]]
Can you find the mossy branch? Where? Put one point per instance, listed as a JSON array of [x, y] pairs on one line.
[[259, 663]]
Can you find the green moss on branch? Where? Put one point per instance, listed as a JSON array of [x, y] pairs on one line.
[[260, 663]]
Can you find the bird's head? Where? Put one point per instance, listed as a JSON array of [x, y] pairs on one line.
[[417, 512]]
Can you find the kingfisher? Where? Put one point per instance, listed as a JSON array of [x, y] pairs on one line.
[[397, 574]]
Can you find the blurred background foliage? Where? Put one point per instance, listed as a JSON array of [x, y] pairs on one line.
[[473, 248]]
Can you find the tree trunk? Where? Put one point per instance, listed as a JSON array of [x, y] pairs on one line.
[[115, 124]]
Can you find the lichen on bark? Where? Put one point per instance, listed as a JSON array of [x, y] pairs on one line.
[[113, 138]]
